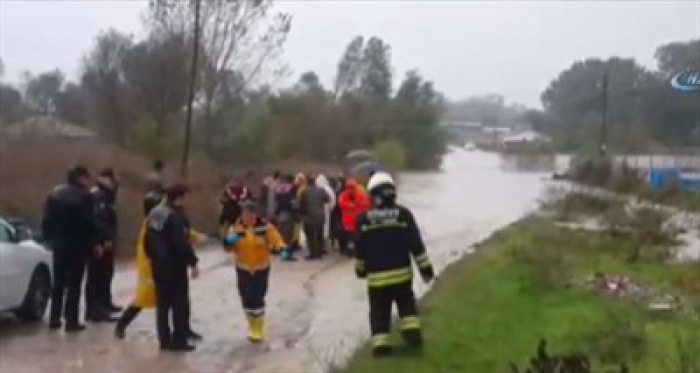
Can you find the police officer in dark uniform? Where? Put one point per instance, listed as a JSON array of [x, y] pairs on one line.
[[169, 250], [98, 290], [387, 238], [70, 231]]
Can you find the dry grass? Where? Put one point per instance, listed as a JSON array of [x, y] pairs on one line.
[[28, 171]]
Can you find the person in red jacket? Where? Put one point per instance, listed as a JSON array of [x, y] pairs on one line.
[[352, 202]]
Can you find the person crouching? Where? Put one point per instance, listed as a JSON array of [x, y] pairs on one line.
[[250, 240]]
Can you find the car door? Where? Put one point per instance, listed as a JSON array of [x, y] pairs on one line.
[[8, 270]]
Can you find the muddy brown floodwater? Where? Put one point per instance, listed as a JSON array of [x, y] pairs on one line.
[[317, 312]]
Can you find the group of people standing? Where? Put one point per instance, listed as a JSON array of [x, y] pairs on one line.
[[80, 227], [320, 209]]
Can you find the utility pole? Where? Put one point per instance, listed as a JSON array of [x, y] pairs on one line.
[[604, 114], [193, 82]]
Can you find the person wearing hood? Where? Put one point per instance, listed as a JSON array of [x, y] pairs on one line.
[[352, 202], [323, 183], [388, 239], [98, 287], [71, 232]]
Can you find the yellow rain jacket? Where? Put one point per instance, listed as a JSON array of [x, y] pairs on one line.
[[145, 290], [252, 251]]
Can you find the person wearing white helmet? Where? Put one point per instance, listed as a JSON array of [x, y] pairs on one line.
[[387, 238]]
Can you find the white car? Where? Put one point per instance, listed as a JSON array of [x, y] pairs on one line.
[[25, 272]]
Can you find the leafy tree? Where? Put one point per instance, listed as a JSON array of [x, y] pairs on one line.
[[70, 104], [350, 68], [42, 91], [676, 57], [156, 71], [12, 108], [375, 84], [111, 107], [574, 100]]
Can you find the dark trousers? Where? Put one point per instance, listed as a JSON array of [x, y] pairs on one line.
[[314, 238], [68, 272], [252, 288], [345, 240], [128, 316], [380, 303], [172, 301], [98, 289]]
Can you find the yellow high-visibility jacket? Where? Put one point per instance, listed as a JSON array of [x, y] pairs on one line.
[[252, 251], [145, 290]]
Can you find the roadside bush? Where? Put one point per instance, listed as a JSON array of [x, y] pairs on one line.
[[652, 238], [577, 204], [593, 171], [391, 154]]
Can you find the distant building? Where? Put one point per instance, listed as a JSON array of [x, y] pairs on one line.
[[527, 136], [46, 126]]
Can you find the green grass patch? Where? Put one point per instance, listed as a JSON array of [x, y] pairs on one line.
[[492, 309]]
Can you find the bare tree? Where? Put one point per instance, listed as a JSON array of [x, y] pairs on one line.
[[237, 35]]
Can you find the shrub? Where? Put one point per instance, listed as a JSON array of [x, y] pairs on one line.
[[391, 154], [652, 238], [620, 337], [593, 171]]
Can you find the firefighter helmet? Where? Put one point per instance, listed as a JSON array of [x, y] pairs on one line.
[[379, 179]]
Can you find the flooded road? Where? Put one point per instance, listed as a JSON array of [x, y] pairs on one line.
[[317, 312]]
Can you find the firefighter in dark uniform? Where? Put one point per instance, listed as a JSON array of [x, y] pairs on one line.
[[70, 232], [387, 238], [98, 288], [167, 245]]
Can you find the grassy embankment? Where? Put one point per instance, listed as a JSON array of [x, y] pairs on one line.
[[492, 308]]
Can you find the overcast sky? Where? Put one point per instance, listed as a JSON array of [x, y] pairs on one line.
[[466, 48]]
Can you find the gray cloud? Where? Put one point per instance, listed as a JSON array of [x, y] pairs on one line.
[[467, 48]]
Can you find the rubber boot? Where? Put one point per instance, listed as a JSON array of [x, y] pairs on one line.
[[254, 334], [260, 320]]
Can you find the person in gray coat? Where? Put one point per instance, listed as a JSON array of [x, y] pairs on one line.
[[312, 205]]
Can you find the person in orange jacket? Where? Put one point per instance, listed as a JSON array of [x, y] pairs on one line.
[[353, 202], [250, 240]]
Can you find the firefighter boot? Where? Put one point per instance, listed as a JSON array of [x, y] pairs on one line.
[[381, 347], [254, 326], [410, 330]]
